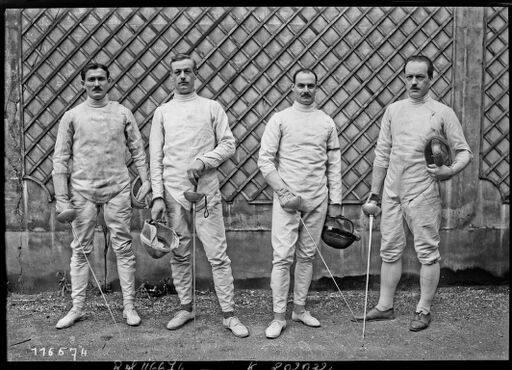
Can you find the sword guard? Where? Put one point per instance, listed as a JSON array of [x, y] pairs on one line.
[[193, 197]]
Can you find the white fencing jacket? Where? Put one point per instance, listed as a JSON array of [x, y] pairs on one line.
[[301, 143], [92, 143], [406, 127], [187, 128]]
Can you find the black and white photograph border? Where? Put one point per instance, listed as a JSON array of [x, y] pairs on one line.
[[246, 58]]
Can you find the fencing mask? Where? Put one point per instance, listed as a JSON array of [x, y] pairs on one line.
[[437, 151], [338, 232], [158, 238]]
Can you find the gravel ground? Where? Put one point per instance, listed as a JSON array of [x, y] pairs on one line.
[[469, 323]]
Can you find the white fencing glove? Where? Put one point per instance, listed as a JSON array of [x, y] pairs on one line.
[[60, 185], [334, 210], [289, 201]]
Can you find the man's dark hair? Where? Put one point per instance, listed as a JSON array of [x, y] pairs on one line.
[[424, 59], [305, 70], [182, 56], [93, 65]]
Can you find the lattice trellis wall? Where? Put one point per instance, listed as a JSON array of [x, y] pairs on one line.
[[246, 59], [495, 144]]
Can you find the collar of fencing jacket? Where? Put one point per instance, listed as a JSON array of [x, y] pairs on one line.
[[304, 108], [185, 97], [97, 103], [423, 100]]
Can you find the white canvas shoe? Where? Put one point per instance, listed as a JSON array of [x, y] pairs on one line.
[[74, 315], [180, 318], [131, 315], [306, 319], [275, 328], [234, 324]]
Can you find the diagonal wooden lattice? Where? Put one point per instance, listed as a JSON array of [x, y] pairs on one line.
[[495, 162], [246, 59]]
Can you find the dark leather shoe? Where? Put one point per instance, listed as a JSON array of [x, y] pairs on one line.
[[375, 314], [420, 321]]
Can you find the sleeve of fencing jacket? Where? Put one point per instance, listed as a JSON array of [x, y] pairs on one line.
[[156, 154], [457, 141], [225, 141], [63, 145], [269, 146], [334, 166], [135, 144], [383, 148], [382, 153]]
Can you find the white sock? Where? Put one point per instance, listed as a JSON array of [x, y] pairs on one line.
[[429, 279], [390, 274]]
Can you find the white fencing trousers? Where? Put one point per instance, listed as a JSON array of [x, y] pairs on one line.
[[117, 212], [211, 233], [289, 239]]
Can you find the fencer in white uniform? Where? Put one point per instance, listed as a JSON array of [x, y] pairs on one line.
[[300, 159]]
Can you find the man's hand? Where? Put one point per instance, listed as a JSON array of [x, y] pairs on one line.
[[371, 206], [334, 210], [62, 205], [65, 211], [289, 201], [195, 171], [144, 190], [440, 173], [60, 185], [67, 216], [158, 209]]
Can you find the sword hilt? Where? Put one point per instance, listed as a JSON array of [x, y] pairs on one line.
[[194, 197]]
